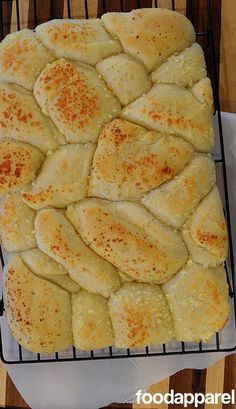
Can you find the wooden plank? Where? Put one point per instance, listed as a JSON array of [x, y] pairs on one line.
[[13, 398], [92, 8], [57, 9], [180, 5], [199, 382], [13, 27], [181, 382], [32, 15], [215, 381], [3, 377], [77, 9], [229, 377], [6, 9], [24, 12], [42, 11], [228, 56]]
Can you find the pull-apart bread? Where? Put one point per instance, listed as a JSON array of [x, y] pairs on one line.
[[109, 205]]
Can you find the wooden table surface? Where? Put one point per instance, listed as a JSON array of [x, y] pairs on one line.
[[221, 377]]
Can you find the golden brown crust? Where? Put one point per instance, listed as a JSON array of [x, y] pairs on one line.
[[174, 109], [16, 224], [140, 316], [66, 247], [38, 312], [152, 253], [82, 40], [150, 35], [174, 202], [129, 161], [62, 178], [76, 99], [44, 266], [18, 165], [21, 119], [198, 300], [22, 58], [205, 232], [91, 324]]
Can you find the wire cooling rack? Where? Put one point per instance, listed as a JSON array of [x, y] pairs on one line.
[[13, 353]]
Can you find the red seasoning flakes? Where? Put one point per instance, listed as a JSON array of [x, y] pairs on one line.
[[39, 312], [22, 119], [83, 40], [205, 232], [175, 110], [63, 244], [198, 301], [175, 200], [126, 235], [22, 57], [130, 161], [63, 177], [16, 224], [18, 165], [76, 99], [140, 316]]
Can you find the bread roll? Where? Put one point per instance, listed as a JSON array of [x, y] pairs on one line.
[[126, 77], [173, 109], [91, 324], [57, 238], [76, 99], [151, 253], [21, 119], [44, 266], [63, 177], [130, 161], [198, 300], [16, 224], [38, 312], [140, 316], [150, 35], [205, 232], [22, 58], [203, 91], [19, 163], [173, 202], [184, 68], [82, 40]]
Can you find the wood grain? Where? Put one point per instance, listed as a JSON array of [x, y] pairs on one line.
[[228, 56], [13, 398], [24, 12], [14, 26], [215, 380], [3, 377], [180, 5], [6, 8], [230, 377]]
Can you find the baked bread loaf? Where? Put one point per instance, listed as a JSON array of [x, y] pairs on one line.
[[108, 189]]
